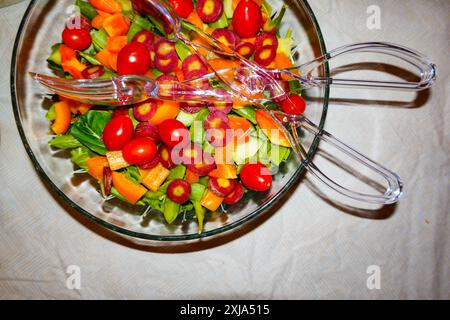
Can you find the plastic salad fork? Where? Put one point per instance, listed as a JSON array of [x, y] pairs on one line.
[[236, 83]]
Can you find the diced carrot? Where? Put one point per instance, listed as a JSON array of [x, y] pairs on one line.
[[116, 25], [96, 165], [103, 56], [211, 201], [63, 118], [282, 61], [191, 177], [113, 60], [155, 177], [131, 191], [224, 171], [70, 62], [165, 110], [98, 20], [241, 129], [220, 64], [195, 20], [115, 44], [109, 6], [271, 129]]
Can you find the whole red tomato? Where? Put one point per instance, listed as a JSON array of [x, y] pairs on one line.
[[294, 105], [256, 176], [139, 151], [134, 58], [118, 131], [182, 7], [77, 39], [247, 19], [174, 133]]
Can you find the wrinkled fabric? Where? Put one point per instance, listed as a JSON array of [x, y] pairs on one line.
[[311, 247]]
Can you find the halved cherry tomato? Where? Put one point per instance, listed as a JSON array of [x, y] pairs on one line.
[[182, 7], [118, 132], [77, 39], [256, 176], [174, 133], [294, 105], [247, 19], [134, 58], [139, 151]]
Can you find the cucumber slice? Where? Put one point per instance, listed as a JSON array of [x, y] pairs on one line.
[[221, 23], [278, 154], [182, 50], [186, 118], [55, 57], [228, 8]]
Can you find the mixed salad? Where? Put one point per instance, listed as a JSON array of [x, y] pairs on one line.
[[165, 155]]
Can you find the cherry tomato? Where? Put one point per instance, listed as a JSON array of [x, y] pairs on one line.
[[77, 39], [294, 105], [118, 131], [182, 7], [256, 176], [139, 151], [174, 133], [247, 19], [134, 58]]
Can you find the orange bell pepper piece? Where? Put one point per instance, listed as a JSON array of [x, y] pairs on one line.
[[109, 6], [271, 129], [70, 62], [116, 25], [131, 191], [191, 177], [165, 110], [115, 44], [63, 118], [224, 171], [211, 201], [104, 56], [96, 165]]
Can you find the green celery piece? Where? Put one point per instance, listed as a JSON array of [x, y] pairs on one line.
[[177, 173], [182, 50], [200, 213], [209, 148], [248, 113], [80, 156], [278, 154], [132, 173], [99, 39], [197, 131], [263, 154], [204, 181], [186, 118], [86, 9], [65, 142], [135, 28], [126, 5], [90, 58], [51, 113], [197, 192], [55, 57], [228, 8], [266, 6], [117, 194], [171, 210], [221, 23]]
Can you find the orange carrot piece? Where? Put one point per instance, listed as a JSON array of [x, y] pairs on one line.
[[131, 191], [70, 62], [63, 118], [211, 201], [241, 129], [224, 171], [96, 165], [191, 177], [195, 20], [103, 57], [165, 110], [116, 25], [271, 129], [115, 44], [220, 64], [113, 60], [109, 6], [98, 20]]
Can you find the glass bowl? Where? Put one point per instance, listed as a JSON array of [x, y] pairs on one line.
[[41, 27]]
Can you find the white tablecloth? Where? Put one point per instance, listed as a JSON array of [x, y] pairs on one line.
[[310, 248]]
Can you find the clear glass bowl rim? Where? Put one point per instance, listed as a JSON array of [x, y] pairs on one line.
[[162, 238]]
